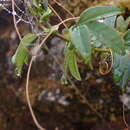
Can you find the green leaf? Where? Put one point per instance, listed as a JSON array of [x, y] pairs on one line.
[[127, 39], [127, 36], [73, 67], [70, 61], [35, 3], [121, 70], [80, 39], [98, 12], [120, 24], [107, 36], [21, 55], [33, 11], [45, 15], [67, 50]]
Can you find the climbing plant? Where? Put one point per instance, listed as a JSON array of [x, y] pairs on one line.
[[98, 29]]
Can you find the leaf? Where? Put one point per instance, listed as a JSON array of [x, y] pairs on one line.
[[21, 55], [35, 3], [66, 60], [79, 36], [120, 24], [121, 70], [73, 67], [107, 36], [45, 15], [127, 22], [98, 12], [127, 36], [70, 61], [127, 39]]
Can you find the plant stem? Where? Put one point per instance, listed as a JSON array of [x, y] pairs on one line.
[[64, 8], [101, 49], [28, 99], [57, 15], [66, 20], [61, 36], [27, 84]]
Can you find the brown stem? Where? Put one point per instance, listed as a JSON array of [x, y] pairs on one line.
[[64, 8], [14, 19], [28, 99], [66, 20], [57, 15], [27, 85]]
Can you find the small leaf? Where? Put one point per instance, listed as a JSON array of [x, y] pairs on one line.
[[73, 67], [45, 15], [67, 50], [35, 2], [120, 24], [33, 11], [21, 55], [121, 70], [70, 61], [80, 39], [107, 36], [98, 12]]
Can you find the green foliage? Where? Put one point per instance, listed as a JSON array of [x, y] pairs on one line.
[[121, 70], [41, 10], [107, 36], [45, 15], [21, 55], [122, 24], [99, 28], [81, 40], [98, 12], [70, 61], [127, 39]]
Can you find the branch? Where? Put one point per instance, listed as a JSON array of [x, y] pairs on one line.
[[14, 20], [57, 15], [64, 8], [28, 99]]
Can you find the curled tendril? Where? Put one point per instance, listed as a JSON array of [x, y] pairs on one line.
[[104, 64]]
